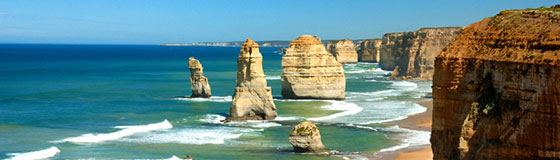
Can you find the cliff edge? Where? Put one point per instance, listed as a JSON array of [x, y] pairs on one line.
[[411, 54], [496, 89]]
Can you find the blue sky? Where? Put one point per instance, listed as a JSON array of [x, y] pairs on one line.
[[184, 21]]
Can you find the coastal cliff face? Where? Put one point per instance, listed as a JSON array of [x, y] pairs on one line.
[[411, 54], [310, 72], [252, 99], [343, 51], [199, 83], [496, 89], [368, 50]]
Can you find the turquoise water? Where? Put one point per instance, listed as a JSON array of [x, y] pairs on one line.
[[121, 102]]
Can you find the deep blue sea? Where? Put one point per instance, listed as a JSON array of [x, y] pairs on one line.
[[121, 102]]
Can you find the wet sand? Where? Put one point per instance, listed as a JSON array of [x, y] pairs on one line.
[[422, 121]]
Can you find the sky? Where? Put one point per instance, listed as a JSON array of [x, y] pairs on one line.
[[187, 21]]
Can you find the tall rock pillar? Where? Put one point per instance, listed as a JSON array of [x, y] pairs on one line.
[[252, 99], [199, 83]]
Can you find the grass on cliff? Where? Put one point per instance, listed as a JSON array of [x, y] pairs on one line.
[[555, 8]]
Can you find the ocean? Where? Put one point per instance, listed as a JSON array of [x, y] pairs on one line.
[[124, 102]]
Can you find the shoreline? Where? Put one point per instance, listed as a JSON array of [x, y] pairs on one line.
[[419, 122]]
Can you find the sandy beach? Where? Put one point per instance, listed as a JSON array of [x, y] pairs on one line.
[[422, 121]]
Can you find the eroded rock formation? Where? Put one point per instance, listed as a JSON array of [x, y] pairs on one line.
[[311, 72], [496, 89], [414, 52], [252, 99], [343, 51], [199, 83], [368, 50], [306, 138]]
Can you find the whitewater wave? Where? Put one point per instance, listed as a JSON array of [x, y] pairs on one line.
[[290, 118], [216, 119], [212, 99], [125, 131], [40, 154], [198, 136], [405, 85], [346, 108], [409, 138], [417, 110], [272, 77]]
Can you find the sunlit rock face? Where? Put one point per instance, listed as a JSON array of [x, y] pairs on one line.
[[368, 50], [413, 53], [343, 51], [496, 89], [310, 72], [252, 99], [306, 138]]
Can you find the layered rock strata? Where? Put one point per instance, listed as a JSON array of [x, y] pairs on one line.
[[496, 89], [199, 83], [306, 138], [343, 51], [414, 52], [310, 72], [368, 50], [252, 99]]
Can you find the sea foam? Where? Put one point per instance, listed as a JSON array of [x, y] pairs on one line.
[[409, 138], [125, 131], [198, 136], [346, 108], [216, 119], [211, 99], [40, 154]]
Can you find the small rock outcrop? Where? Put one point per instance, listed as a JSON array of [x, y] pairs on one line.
[[306, 138], [199, 83], [343, 51], [252, 99], [496, 89], [310, 72], [415, 52], [368, 50]]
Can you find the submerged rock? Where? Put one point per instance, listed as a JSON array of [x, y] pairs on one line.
[[343, 51], [496, 89], [311, 72], [199, 83], [252, 99], [306, 138]]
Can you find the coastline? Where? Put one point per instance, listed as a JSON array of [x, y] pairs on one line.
[[421, 122]]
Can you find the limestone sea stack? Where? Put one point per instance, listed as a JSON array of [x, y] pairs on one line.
[[310, 72], [368, 50], [252, 99], [306, 138], [496, 89], [343, 51], [199, 83], [414, 52]]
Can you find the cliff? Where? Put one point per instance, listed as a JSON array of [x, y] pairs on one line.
[[311, 72], [368, 50], [413, 53], [496, 89], [343, 51], [199, 83], [252, 99]]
